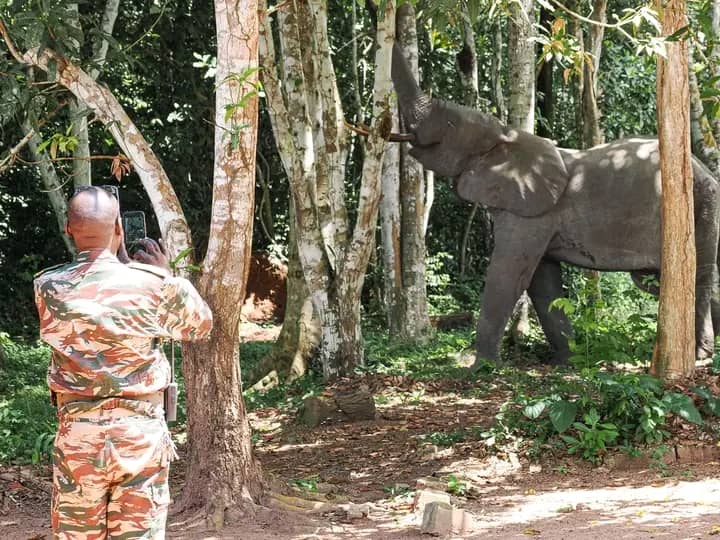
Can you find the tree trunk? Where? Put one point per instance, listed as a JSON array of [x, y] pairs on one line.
[[591, 132], [82, 171], [545, 90], [222, 475], [51, 184], [714, 62], [496, 69], [300, 334], [521, 66], [402, 211], [82, 166], [675, 347], [467, 61], [521, 105], [313, 153], [704, 144]]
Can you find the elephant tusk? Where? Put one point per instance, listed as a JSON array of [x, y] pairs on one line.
[[401, 137], [392, 137]]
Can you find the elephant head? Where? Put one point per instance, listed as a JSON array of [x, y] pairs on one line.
[[495, 166]]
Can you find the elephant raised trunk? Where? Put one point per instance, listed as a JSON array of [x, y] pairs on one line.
[[414, 104]]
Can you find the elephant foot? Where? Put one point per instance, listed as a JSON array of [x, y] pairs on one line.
[[485, 362], [704, 353], [559, 359]]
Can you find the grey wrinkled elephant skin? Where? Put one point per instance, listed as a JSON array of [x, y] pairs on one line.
[[597, 209]]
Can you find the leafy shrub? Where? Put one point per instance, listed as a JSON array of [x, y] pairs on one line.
[[614, 321], [27, 418]]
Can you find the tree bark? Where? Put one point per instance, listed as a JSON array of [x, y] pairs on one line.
[[300, 334], [333, 262], [675, 346], [402, 212], [222, 474], [521, 104], [521, 66], [52, 185], [591, 133]]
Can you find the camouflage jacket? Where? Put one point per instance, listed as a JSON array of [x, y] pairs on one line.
[[102, 319]]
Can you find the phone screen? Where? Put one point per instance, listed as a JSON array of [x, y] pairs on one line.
[[135, 230]]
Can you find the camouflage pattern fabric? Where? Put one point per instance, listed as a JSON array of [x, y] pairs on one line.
[[111, 471], [102, 320], [101, 317]]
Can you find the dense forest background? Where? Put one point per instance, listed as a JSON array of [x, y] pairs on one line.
[[160, 67]]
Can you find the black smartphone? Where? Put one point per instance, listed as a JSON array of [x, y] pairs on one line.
[[135, 230]]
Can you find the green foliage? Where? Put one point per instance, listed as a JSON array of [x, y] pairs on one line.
[[436, 359], [614, 321], [306, 484], [27, 418], [621, 410], [456, 486], [627, 78], [592, 437], [444, 439]]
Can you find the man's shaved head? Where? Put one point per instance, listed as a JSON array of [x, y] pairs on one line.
[[93, 219]]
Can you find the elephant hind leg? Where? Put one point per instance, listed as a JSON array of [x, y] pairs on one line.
[[647, 281], [546, 286]]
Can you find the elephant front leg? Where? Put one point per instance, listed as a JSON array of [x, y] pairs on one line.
[[520, 243]]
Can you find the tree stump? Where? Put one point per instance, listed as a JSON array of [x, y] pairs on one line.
[[351, 405], [356, 404]]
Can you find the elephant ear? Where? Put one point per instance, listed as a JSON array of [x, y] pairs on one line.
[[524, 174]]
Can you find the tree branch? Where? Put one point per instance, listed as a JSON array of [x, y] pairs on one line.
[[8, 160], [10, 43], [171, 218]]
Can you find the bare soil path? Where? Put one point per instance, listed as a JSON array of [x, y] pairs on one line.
[[418, 441]]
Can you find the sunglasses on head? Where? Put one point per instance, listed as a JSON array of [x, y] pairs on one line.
[[112, 190]]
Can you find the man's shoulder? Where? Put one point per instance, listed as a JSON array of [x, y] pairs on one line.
[[50, 270]]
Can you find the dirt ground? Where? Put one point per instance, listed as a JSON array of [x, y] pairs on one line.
[[381, 464]]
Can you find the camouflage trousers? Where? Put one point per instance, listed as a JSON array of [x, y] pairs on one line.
[[110, 471]]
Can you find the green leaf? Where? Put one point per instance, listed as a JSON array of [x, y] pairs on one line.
[[535, 410], [683, 406], [712, 403], [180, 256], [562, 414]]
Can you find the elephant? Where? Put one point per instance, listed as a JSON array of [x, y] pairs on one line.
[[597, 209]]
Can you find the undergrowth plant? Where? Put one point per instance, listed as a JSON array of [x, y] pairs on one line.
[[596, 409]]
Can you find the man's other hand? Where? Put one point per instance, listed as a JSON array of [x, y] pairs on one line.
[[152, 252]]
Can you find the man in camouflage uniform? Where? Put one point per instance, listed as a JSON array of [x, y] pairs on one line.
[[103, 320]]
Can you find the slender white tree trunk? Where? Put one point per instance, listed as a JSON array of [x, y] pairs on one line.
[[109, 111], [521, 66], [51, 184], [521, 102], [313, 153], [403, 218]]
